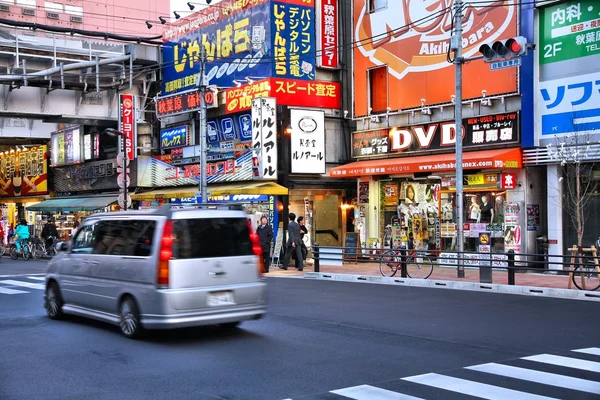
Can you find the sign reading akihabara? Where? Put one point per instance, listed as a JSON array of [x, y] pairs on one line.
[[241, 39], [569, 30], [412, 38], [24, 173]]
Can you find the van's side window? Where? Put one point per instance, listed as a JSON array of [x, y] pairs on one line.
[[124, 238], [84, 241]]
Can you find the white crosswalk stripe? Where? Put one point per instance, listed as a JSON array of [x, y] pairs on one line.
[[10, 282], [444, 386], [11, 291], [36, 278], [17, 285]]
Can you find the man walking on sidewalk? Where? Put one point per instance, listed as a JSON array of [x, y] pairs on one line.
[[293, 244]]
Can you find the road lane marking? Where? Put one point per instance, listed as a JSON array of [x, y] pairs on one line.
[[471, 388], [29, 285], [37, 278], [11, 291], [366, 392], [590, 350], [565, 362], [546, 378]]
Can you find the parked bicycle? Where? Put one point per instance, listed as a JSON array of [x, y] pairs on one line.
[[40, 249], [25, 250], [419, 263], [586, 274]]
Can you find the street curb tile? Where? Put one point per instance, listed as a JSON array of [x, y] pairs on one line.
[[567, 294]]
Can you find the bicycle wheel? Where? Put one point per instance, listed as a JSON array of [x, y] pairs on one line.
[[14, 253], [418, 268], [37, 251], [2, 250], [586, 277], [26, 252], [389, 263]]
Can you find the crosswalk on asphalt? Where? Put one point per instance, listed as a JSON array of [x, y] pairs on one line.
[[565, 375], [21, 284]]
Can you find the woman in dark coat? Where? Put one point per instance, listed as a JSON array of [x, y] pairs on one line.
[[265, 236]]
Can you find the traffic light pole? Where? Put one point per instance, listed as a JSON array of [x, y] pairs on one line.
[[458, 62], [202, 125]]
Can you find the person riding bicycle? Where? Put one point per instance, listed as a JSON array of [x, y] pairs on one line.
[[49, 233], [21, 233]]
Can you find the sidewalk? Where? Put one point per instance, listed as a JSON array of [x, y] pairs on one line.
[[537, 279], [19, 266]]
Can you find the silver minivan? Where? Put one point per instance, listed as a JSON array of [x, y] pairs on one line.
[[158, 269]]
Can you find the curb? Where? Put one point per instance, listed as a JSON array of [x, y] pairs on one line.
[[471, 286]]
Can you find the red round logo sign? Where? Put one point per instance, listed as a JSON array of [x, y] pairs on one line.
[[209, 97]]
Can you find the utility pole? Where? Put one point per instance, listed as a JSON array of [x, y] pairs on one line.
[[202, 114], [458, 62]]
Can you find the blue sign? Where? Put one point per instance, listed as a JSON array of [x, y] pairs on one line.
[[513, 62], [174, 137], [212, 132], [235, 198], [293, 32], [245, 123], [228, 129], [238, 45]]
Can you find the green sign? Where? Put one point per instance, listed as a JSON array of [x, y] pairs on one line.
[[569, 30]]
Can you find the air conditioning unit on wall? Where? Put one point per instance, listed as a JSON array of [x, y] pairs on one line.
[[77, 19]]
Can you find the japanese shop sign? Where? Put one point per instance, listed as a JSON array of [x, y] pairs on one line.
[[569, 30], [288, 92], [128, 124], [327, 50], [236, 35], [478, 131], [66, 146], [308, 141], [264, 134], [508, 181], [370, 143], [570, 105], [293, 31], [415, 53], [184, 102], [174, 137], [24, 172]]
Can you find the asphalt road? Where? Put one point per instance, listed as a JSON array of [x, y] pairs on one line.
[[318, 337]]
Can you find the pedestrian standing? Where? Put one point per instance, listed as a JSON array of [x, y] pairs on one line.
[[265, 237], [293, 244], [303, 231]]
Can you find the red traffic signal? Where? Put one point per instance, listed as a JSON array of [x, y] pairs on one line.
[[509, 48]]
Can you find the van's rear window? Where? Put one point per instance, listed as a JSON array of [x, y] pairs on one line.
[[211, 237]]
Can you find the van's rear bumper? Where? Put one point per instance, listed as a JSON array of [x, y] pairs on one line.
[[209, 317]]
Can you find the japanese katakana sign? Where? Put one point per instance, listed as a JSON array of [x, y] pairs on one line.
[[293, 31], [308, 141], [327, 54], [264, 134], [569, 30], [174, 137], [128, 124], [570, 105]]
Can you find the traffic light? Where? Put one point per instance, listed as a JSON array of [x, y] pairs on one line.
[[257, 170], [509, 48]]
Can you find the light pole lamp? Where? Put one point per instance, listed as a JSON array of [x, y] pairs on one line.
[[118, 134]]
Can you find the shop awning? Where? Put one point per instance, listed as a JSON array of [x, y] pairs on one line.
[[486, 159], [254, 188], [72, 204]]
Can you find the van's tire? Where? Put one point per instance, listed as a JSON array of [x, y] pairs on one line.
[[53, 301], [129, 318], [231, 325]]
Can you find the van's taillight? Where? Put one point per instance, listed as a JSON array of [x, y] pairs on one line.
[[166, 253], [256, 249]]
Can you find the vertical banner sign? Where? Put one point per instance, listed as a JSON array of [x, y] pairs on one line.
[[327, 53], [127, 124], [264, 135], [308, 141]]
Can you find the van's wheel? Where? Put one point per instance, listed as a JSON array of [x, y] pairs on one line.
[[129, 318], [53, 302], [231, 325]]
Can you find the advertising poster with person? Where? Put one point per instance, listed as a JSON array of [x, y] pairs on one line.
[[512, 226]]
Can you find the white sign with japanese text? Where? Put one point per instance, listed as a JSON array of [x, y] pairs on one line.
[[264, 134], [308, 141]]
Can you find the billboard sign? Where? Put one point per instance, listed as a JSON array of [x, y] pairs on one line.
[[327, 35], [308, 141], [128, 124], [236, 36], [184, 102], [569, 30], [24, 172], [287, 92], [416, 54], [178, 136], [66, 146], [264, 135], [293, 31]]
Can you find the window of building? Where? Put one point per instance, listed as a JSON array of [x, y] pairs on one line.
[[378, 89], [376, 5]]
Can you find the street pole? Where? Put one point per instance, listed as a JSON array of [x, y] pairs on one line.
[[202, 124], [458, 62]]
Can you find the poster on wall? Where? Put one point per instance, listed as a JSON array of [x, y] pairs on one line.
[[533, 217], [363, 192], [264, 135], [415, 55], [308, 141], [391, 194], [512, 226], [66, 147], [24, 172]]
